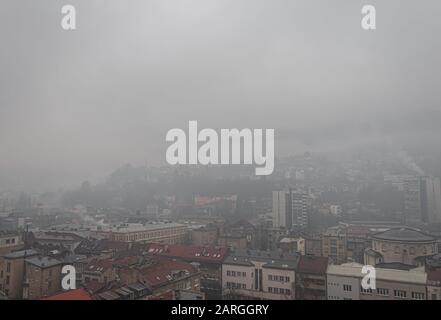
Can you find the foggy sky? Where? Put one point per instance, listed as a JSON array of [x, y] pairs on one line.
[[74, 105]]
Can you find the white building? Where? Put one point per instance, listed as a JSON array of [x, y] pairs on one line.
[[344, 283]]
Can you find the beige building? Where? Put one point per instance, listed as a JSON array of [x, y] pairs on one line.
[[43, 277], [9, 241], [334, 245], [400, 245], [11, 273], [204, 236], [344, 283], [252, 274], [165, 233]]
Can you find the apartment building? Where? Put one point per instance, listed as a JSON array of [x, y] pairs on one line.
[[334, 245], [165, 233], [208, 259], [344, 283], [253, 274], [9, 241], [43, 277], [12, 273]]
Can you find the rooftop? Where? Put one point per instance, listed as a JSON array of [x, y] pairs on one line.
[[189, 252], [21, 254], [77, 294], [403, 234], [415, 276], [137, 227], [43, 262], [273, 259]]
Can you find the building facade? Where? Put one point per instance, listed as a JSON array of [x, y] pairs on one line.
[[253, 274]]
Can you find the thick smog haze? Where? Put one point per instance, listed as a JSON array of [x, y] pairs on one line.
[[75, 105]]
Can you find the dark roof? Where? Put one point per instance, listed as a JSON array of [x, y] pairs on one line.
[[21, 254], [403, 234], [394, 265], [434, 261], [373, 253], [312, 264], [273, 259], [43, 262]]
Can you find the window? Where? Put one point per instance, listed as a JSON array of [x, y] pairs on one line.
[[8, 267], [270, 289], [287, 292], [397, 249], [228, 273], [365, 291], [400, 294], [382, 292], [347, 287], [270, 277], [233, 273], [287, 279], [418, 295], [7, 279]]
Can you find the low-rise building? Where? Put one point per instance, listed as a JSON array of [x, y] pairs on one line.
[[253, 274], [334, 245], [12, 272], [160, 232], [208, 258], [9, 241], [43, 277], [344, 283]]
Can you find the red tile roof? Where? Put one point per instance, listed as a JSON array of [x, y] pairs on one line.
[[77, 294], [94, 286], [312, 264], [189, 252], [161, 272], [99, 265]]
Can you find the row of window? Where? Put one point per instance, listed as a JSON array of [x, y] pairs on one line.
[[9, 241], [385, 292], [234, 285], [278, 278], [279, 291], [412, 250], [236, 273]]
